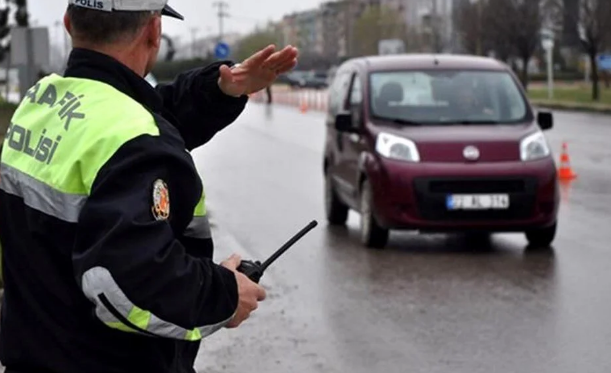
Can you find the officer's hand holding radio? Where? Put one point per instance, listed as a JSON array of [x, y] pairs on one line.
[[248, 273], [249, 292]]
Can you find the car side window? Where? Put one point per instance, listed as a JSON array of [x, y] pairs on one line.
[[356, 93], [339, 92]]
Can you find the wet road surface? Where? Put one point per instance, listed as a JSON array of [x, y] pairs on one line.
[[426, 304]]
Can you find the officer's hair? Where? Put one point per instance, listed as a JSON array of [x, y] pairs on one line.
[[99, 27]]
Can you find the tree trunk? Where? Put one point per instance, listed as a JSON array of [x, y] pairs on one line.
[[525, 61], [595, 87]]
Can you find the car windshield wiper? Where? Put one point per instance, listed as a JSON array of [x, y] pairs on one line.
[[404, 121], [477, 122]]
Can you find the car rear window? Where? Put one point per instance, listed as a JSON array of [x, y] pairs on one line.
[[447, 97]]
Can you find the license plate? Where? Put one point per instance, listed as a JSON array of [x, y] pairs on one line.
[[477, 202]]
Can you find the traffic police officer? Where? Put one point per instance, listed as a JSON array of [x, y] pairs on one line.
[[107, 251]]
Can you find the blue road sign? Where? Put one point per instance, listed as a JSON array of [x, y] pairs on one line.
[[221, 50], [604, 62]]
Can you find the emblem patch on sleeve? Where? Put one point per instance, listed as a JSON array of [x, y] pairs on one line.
[[161, 200]]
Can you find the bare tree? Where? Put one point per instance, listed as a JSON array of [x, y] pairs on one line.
[[509, 28], [525, 24], [21, 14], [595, 34], [469, 25], [592, 22], [4, 31], [498, 24]]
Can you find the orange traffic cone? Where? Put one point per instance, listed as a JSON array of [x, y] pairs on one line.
[[303, 106], [565, 172]]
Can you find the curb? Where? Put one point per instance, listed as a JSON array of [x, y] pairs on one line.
[[583, 108]]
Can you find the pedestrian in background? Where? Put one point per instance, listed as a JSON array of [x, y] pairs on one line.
[[106, 245], [268, 91]]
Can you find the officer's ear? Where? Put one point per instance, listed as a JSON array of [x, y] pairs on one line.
[[67, 23], [154, 31]]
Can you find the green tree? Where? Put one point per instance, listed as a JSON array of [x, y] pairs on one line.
[[375, 24], [255, 41]]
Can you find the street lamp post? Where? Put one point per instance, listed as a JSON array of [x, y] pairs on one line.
[[547, 42]]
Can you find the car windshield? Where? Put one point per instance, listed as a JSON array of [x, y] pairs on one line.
[[447, 97]]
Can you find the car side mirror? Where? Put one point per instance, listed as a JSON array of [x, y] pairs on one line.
[[343, 123], [545, 120]]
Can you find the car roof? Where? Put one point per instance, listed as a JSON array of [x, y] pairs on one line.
[[426, 61]]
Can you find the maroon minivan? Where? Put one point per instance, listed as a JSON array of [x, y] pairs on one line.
[[437, 143]]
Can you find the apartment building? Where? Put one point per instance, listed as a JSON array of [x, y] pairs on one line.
[[324, 31], [334, 20], [304, 30], [434, 18]]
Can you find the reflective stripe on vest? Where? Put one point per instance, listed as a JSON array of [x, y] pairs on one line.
[[200, 225], [60, 136]]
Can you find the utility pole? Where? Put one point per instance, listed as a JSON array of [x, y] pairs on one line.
[[221, 5]]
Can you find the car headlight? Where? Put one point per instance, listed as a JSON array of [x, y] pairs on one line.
[[395, 147], [534, 147]]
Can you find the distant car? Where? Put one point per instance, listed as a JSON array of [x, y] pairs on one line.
[[316, 80], [308, 79], [284, 79], [437, 144], [296, 79]]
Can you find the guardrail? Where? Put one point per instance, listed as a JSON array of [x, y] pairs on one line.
[[304, 99]]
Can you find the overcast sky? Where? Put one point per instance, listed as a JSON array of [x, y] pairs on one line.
[[198, 13]]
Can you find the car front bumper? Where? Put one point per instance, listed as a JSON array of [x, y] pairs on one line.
[[413, 196]]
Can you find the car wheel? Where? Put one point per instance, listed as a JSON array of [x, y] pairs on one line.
[[372, 234], [541, 238], [337, 212]]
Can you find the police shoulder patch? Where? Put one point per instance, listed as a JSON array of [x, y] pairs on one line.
[[161, 200]]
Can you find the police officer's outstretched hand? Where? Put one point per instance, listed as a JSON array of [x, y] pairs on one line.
[[249, 292], [258, 71]]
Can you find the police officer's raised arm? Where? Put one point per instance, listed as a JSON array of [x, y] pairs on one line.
[[127, 260], [207, 100], [202, 109]]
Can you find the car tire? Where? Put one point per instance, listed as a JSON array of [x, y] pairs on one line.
[[372, 234], [336, 210], [541, 238]]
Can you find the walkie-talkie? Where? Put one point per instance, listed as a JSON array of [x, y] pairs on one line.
[[255, 270]]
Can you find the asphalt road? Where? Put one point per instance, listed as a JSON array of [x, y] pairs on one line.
[[427, 304]]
